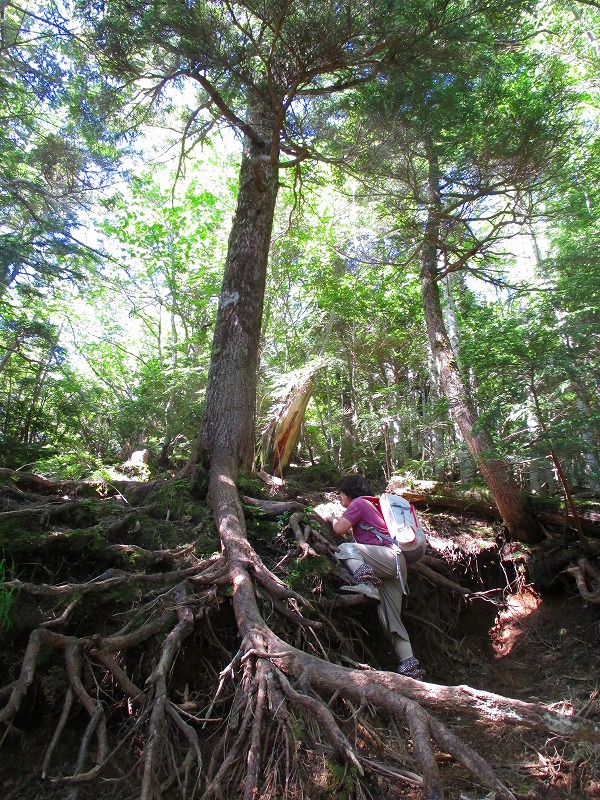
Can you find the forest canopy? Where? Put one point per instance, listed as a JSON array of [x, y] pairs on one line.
[[111, 279], [109, 297]]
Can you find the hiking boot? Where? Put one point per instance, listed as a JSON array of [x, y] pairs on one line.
[[362, 588], [410, 668], [365, 574]]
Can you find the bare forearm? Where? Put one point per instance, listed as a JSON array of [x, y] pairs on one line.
[[340, 525]]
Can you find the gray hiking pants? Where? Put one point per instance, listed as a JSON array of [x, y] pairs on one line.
[[386, 564]]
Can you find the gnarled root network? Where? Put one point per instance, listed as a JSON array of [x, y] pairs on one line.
[[157, 716]]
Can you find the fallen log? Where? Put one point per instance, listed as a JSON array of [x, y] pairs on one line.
[[590, 518], [272, 508], [133, 491], [462, 502]]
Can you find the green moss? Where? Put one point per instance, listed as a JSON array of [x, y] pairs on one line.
[[592, 505], [125, 592], [14, 538], [306, 575], [6, 598], [175, 498], [44, 657], [547, 502], [250, 486], [53, 685], [203, 518], [158, 534], [318, 476], [17, 541], [340, 781], [297, 730], [82, 540], [261, 529], [207, 544]]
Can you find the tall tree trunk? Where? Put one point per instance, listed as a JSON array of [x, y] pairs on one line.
[[466, 463], [27, 431], [228, 427], [496, 473], [437, 432], [591, 431], [449, 312], [163, 459], [13, 348]]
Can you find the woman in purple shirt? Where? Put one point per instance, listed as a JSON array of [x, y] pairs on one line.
[[378, 565]]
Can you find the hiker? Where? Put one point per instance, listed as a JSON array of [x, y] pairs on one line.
[[378, 565]]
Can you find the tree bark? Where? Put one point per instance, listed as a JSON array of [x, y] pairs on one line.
[[518, 518], [28, 431], [228, 426]]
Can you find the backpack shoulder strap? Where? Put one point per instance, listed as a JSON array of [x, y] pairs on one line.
[[383, 537]]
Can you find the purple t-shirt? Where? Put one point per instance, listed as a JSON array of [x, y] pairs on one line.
[[361, 510]]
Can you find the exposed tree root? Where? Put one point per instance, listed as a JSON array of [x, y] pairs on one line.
[[175, 611], [161, 708], [404, 698], [111, 580], [301, 535], [585, 573], [238, 733], [439, 580]]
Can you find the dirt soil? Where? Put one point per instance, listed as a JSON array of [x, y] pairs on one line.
[[534, 647]]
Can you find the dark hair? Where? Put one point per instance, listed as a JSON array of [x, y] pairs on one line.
[[354, 486]]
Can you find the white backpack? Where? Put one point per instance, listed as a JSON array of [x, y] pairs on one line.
[[402, 523]]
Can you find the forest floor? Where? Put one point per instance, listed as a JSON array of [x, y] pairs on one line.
[[522, 643], [546, 649], [534, 646], [530, 642]]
